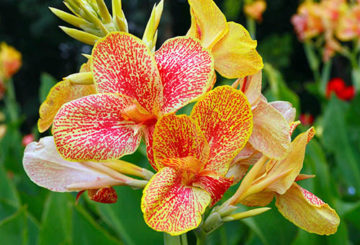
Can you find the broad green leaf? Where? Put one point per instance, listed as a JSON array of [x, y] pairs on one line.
[[33, 230], [278, 87], [87, 231], [335, 139], [47, 82], [13, 230], [6, 209], [126, 218], [263, 225], [56, 221], [8, 192], [307, 238]]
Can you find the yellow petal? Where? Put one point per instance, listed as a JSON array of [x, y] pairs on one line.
[[307, 211], [60, 94], [291, 165], [271, 131], [235, 54], [208, 23], [258, 199]]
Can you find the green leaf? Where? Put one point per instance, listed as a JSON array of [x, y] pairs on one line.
[[56, 221], [7, 189], [276, 50], [263, 225], [335, 134], [13, 230], [87, 231], [47, 82], [6, 209], [278, 88], [126, 218]]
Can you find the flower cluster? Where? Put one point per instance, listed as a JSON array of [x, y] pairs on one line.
[[127, 92], [10, 63], [331, 20], [338, 86], [255, 9]]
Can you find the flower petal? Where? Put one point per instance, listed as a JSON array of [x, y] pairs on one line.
[[178, 137], [290, 167], [259, 199], [171, 207], [93, 128], [186, 71], [123, 64], [286, 109], [251, 87], [46, 168], [208, 23], [235, 54], [60, 94], [271, 131], [215, 185], [307, 211], [103, 195], [149, 141], [224, 116]]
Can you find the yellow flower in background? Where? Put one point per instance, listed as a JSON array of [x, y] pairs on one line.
[[230, 43], [349, 24], [255, 9], [10, 61], [308, 20]]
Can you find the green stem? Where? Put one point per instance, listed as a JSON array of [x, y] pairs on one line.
[[200, 237], [313, 61], [325, 77], [251, 26], [175, 240], [10, 101]]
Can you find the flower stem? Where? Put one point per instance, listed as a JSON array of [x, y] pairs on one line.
[[200, 237], [313, 61], [10, 101], [251, 26], [175, 240]]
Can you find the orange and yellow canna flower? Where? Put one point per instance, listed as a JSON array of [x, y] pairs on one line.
[[10, 61], [348, 28], [230, 43], [193, 154], [270, 178], [308, 21], [255, 9], [270, 136], [134, 88]]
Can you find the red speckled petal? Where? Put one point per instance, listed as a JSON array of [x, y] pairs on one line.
[[224, 116], [215, 185], [103, 195], [46, 168], [92, 128], [123, 64], [186, 71], [178, 137], [307, 211], [171, 207]]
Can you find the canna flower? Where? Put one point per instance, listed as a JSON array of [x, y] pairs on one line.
[[306, 119], [27, 139], [192, 154], [270, 136], [230, 43], [270, 178], [255, 9], [10, 61], [338, 86], [134, 88], [348, 28], [46, 168], [308, 21]]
